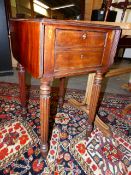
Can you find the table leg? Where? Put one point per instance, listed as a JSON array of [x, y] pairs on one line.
[[61, 92], [21, 75], [95, 95], [92, 104], [94, 99], [85, 105], [44, 115]]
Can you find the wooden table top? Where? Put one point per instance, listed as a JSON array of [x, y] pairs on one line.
[[60, 48]]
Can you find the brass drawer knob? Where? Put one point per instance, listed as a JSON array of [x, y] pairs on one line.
[[84, 36], [82, 56]]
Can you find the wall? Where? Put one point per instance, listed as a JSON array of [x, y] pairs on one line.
[[127, 18], [23, 7], [96, 4], [19, 6], [13, 8], [56, 14], [91, 5]]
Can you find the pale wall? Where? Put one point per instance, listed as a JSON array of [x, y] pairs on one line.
[[127, 18], [89, 6], [96, 4]]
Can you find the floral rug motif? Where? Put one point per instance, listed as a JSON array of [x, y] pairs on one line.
[[70, 153], [16, 137], [96, 155], [100, 155]]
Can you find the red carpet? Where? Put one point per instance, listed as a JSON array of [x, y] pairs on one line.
[[70, 153]]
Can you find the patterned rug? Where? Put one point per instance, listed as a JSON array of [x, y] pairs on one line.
[[70, 153]]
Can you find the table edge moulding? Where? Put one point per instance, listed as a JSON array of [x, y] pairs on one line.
[[50, 49]]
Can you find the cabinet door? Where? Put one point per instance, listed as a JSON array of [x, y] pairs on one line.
[[5, 54]]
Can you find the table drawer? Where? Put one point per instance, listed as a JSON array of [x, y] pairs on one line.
[[77, 59], [82, 38]]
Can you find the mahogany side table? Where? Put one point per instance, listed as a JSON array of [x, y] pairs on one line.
[[50, 49]]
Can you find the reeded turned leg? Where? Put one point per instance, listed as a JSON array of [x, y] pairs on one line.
[[21, 75], [87, 103], [44, 114], [94, 100], [61, 92]]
